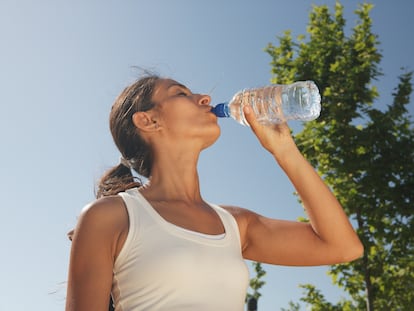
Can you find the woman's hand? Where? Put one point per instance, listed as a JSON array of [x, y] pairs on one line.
[[277, 138]]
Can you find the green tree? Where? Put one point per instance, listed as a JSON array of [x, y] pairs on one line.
[[256, 283], [365, 154]]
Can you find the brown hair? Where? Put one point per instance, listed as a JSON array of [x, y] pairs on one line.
[[136, 97]]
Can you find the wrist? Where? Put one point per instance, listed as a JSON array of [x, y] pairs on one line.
[[285, 153]]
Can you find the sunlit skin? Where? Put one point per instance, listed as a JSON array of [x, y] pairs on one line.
[[179, 127]]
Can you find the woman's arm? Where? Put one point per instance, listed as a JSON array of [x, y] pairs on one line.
[[329, 237], [97, 239]]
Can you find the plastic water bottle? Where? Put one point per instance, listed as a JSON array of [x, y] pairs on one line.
[[275, 104]]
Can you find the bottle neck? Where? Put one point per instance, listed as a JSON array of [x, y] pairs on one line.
[[221, 110]]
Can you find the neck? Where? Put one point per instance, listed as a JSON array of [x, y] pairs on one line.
[[174, 177]]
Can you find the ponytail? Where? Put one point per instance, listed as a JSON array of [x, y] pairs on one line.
[[115, 180]]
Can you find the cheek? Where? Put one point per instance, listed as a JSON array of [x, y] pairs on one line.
[[177, 123], [182, 120], [180, 117]]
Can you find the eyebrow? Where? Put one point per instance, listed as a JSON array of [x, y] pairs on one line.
[[179, 85]]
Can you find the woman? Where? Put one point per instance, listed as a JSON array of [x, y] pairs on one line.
[[159, 245]]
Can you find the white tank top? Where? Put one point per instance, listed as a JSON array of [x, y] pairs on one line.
[[165, 267]]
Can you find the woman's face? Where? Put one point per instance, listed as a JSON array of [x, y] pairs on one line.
[[183, 114]]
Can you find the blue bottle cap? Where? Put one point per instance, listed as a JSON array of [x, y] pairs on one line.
[[221, 110]]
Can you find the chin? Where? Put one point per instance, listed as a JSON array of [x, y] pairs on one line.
[[213, 136]]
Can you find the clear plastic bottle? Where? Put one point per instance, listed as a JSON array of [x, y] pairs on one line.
[[275, 104]]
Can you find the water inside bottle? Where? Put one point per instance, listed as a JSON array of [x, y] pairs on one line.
[[236, 109], [278, 103], [301, 101], [266, 105]]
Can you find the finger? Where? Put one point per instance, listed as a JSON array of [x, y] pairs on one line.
[[70, 234], [250, 116]]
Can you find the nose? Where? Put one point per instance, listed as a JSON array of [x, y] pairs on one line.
[[204, 100]]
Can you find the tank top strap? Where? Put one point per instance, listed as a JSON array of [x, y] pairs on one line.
[[229, 222]]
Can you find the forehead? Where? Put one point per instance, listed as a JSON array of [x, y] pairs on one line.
[[162, 86], [166, 84]]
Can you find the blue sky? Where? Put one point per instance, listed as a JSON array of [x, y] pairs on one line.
[[63, 63]]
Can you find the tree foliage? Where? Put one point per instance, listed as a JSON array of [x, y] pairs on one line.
[[256, 283], [365, 154]]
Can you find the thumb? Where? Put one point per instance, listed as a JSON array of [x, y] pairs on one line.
[[257, 128]]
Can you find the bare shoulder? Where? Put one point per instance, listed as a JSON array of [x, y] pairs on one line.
[[241, 214], [104, 205], [106, 216], [235, 210], [243, 217], [106, 208], [96, 243]]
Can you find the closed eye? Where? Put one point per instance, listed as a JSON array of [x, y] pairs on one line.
[[180, 90]]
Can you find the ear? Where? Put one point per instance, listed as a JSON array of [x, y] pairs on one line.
[[144, 121]]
